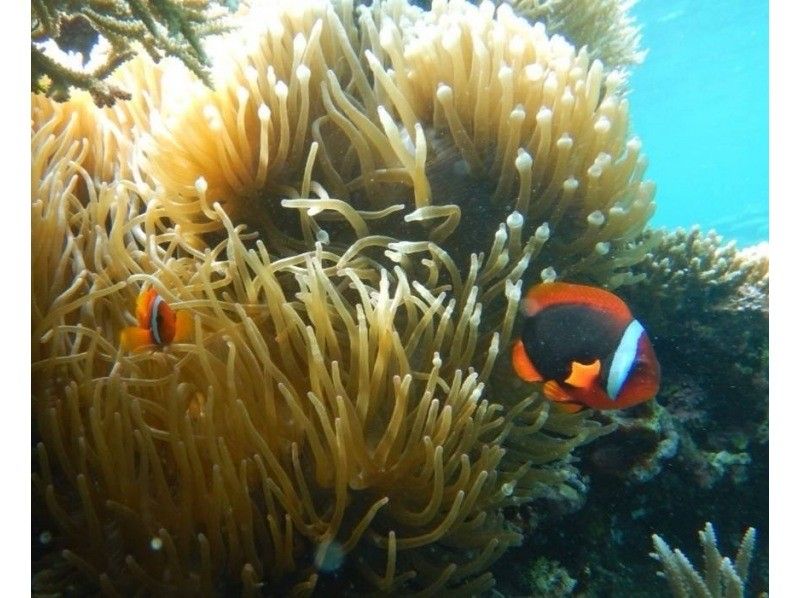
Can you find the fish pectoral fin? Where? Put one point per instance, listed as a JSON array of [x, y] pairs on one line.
[[568, 407], [555, 392], [133, 338], [523, 365], [582, 375], [561, 398]]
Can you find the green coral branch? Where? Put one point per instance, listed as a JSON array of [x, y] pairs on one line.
[[46, 22], [104, 94], [162, 27]]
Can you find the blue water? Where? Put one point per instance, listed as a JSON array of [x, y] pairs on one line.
[[700, 105]]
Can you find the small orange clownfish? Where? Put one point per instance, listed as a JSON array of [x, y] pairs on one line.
[[158, 325], [586, 347]]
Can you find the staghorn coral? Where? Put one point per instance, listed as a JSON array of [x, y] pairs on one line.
[[161, 27], [324, 409], [721, 577], [605, 27], [404, 125]]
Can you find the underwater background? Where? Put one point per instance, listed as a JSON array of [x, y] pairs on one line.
[[291, 444], [701, 102]]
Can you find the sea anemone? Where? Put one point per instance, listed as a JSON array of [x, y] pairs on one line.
[[350, 224], [323, 411], [404, 125], [111, 133]]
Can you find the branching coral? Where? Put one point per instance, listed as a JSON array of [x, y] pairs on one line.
[[605, 27], [161, 27], [721, 576], [323, 406], [693, 271], [411, 126]]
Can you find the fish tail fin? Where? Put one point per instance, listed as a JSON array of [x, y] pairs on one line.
[[133, 338], [184, 324]]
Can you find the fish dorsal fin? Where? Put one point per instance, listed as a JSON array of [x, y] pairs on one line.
[[523, 365], [562, 293], [582, 375]]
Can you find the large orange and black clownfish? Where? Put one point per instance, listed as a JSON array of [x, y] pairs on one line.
[[159, 324], [586, 347]]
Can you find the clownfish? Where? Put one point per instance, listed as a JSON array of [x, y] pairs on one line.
[[586, 347], [158, 325]]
